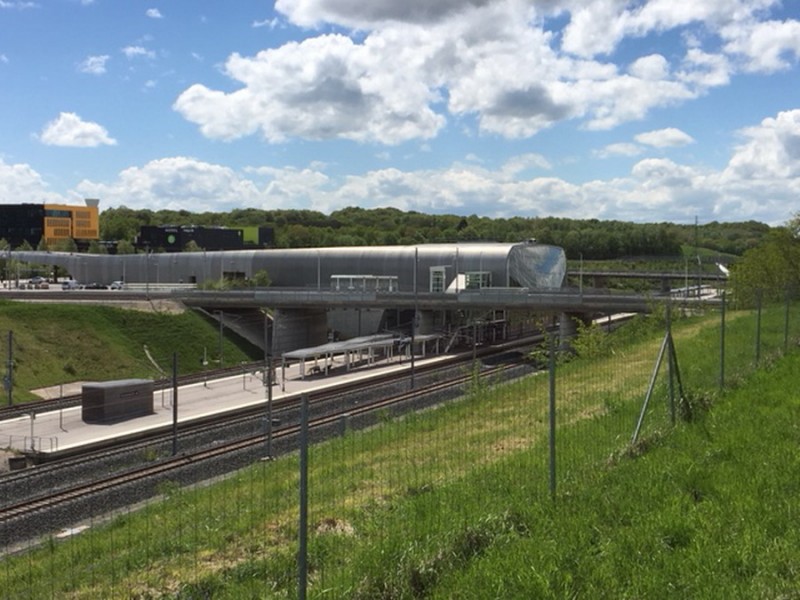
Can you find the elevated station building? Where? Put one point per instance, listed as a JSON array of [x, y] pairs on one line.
[[430, 269]]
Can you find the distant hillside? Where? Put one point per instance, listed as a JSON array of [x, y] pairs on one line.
[[592, 239]]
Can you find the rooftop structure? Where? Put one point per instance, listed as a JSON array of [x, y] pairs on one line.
[[426, 267]]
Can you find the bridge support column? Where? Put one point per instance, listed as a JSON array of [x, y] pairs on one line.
[[666, 286], [568, 329], [298, 328], [425, 322]]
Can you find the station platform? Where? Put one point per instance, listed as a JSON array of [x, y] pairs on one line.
[[62, 430]]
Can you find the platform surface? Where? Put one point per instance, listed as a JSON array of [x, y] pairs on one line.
[[61, 430]]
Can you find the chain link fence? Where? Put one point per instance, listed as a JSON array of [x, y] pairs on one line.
[[393, 502]]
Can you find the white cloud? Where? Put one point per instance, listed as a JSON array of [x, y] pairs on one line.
[[764, 47], [516, 165], [652, 67], [3, 59], [619, 149], [413, 62], [270, 23], [175, 183], [21, 181], [138, 52], [368, 15], [18, 5], [154, 13], [71, 131], [597, 26], [771, 150], [701, 70], [761, 181], [322, 88], [664, 138], [94, 65]]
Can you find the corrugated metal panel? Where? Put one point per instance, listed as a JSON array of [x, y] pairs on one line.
[[528, 265]]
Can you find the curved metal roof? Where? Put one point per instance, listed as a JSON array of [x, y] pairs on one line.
[[523, 264]]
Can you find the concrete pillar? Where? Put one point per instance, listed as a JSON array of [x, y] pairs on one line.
[[426, 322], [568, 329], [298, 328]]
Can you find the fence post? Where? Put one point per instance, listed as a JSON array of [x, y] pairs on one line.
[[786, 321], [759, 295], [552, 410], [302, 553], [722, 344], [671, 366], [9, 378], [174, 403]]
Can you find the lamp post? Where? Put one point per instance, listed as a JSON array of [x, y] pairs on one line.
[[147, 271], [221, 326], [8, 380], [414, 316]]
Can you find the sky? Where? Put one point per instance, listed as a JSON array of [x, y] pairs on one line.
[[635, 110]]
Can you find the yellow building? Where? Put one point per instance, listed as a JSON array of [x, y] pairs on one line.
[[65, 221]]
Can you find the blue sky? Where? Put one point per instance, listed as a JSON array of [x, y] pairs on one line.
[[645, 110]]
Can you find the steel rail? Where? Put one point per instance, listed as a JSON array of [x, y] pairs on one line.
[[173, 464]]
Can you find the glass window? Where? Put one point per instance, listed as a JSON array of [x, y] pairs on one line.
[[437, 279]]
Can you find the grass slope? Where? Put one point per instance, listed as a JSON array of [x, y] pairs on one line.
[[62, 343], [454, 502]]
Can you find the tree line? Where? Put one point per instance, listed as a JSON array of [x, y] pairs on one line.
[[591, 239]]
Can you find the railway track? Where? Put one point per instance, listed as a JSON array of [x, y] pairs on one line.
[[152, 445], [70, 400], [63, 507]]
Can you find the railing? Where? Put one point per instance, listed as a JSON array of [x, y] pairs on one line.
[[34, 443]]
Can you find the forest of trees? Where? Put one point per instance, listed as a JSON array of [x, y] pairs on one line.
[[591, 239]]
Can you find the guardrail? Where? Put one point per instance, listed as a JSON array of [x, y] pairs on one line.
[[45, 444]]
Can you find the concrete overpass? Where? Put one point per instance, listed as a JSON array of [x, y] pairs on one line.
[[563, 300]]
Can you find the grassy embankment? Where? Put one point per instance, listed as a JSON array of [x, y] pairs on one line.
[[455, 502], [63, 343]]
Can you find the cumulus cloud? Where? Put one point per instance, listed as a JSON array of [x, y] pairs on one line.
[[176, 183], [664, 138], [322, 88], [761, 181], [22, 181], [68, 129], [411, 65], [154, 13], [94, 65], [619, 149], [270, 23], [764, 47], [771, 150], [18, 5], [138, 52], [597, 26], [368, 15]]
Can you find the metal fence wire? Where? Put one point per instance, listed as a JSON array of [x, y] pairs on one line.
[[390, 503]]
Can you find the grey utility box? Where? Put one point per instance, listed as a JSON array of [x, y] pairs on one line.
[[110, 401]]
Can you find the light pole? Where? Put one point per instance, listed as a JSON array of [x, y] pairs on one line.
[[147, 271], [221, 326], [8, 381], [414, 316]]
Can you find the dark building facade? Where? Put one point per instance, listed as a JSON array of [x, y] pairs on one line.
[[174, 238], [20, 223], [53, 223]]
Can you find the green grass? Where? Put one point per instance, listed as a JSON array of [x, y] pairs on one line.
[[455, 503], [62, 343]]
